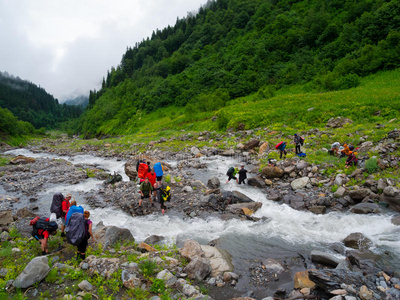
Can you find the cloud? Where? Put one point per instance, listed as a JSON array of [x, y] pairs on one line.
[[67, 46]]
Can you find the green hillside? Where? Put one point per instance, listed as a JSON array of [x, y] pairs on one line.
[[236, 48]]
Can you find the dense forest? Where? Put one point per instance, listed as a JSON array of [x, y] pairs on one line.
[[233, 48], [33, 104]]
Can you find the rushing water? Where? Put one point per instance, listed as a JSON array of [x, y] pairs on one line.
[[281, 232]]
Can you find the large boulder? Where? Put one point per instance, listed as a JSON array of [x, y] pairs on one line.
[[235, 197], [237, 208], [198, 269], [22, 160], [168, 278], [359, 194], [357, 240], [324, 258], [329, 280], [154, 239], [391, 195], [220, 260], [300, 183], [271, 172], [256, 181], [6, 217], [263, 148], [35, 271], [213, 183], [365, 208], [338, 122], [130, 170], [251, 144], [109, 235], [191, 250]]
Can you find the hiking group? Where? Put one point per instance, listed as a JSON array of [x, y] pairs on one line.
[[74, 222], [344, 151], [151, 186]]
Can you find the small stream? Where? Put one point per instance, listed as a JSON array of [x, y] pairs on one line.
[[281, 233]]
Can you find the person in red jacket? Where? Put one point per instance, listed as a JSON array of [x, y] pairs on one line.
[[42, 236], [152, 178]]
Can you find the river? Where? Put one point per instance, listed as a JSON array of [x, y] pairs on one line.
[[282, 232]]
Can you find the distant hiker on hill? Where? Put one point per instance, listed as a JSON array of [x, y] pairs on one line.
[[158, 169], [232, 171], [145, 190], [352, 159], [81, 254], [346, 151], [335, 148], [297, 141], [242, 175], [282, 149], [65, 207]]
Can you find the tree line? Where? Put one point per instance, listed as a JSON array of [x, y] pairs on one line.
[[233, 48]]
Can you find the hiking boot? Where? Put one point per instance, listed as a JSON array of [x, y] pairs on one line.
[[62, 234]]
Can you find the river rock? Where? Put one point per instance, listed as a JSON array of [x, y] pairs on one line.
[[301, 280], [253, 143], [365, 208], [329, 280], [102, 266], [340, 179], [6, 217], [263, 148], [154, 239], [324, 258], [168, 278], [191, 249], [338, 122], [357, 240], [364, 147], [85, 286], [365, 260], [341, 191], [237, 208], [365, 293], [35, 271], [271, 172], [194, 150], [256, 181], [318, 210], [240, 146], [273, 266], [213, 183], [22, 160], [220, 260], [130, 281], [359, 194], [235, 197], [301, 165], [25, 213], [229, 152], [109, 235], [300, 183], [130, 170], [198, 269], [396, 220], [187, 189], [391, 195]]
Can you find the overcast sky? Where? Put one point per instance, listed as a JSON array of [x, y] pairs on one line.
[[67, 47]]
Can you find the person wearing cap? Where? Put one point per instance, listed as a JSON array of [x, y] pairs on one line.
[[145, 191], [297, 142], [242, 175]]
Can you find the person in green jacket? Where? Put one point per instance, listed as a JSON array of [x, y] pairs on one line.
[[145, 190], [231, 174]]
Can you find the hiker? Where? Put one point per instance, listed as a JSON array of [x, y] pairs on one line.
[[152, 178], [242, 175], [42, 235], [159, 196], [346, 151], [64, 207], [297, 142], [148, 165], [81, 254], [232, 171], [137, 164], [73, 209], [272, 162], [335, 148], [158, 169], [143, 170], [282, 149], [351, 160], [145, 190]]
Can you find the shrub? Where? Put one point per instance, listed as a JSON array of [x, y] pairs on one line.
[[168, 178], [148, 267], [371, 165], [334, 188], [158, 286]]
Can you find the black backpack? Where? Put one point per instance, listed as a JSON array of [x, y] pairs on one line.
[[301, 141], [75, 229], [230, 171], [56, 205], [42, 224]]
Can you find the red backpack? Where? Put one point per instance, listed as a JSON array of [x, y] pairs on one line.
[[278, 145]]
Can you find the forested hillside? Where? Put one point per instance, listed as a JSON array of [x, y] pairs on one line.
[[234, 48], [33, 104]]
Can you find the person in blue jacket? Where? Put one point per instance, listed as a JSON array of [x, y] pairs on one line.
[[282, 150], [158, 169], [73, 209]]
